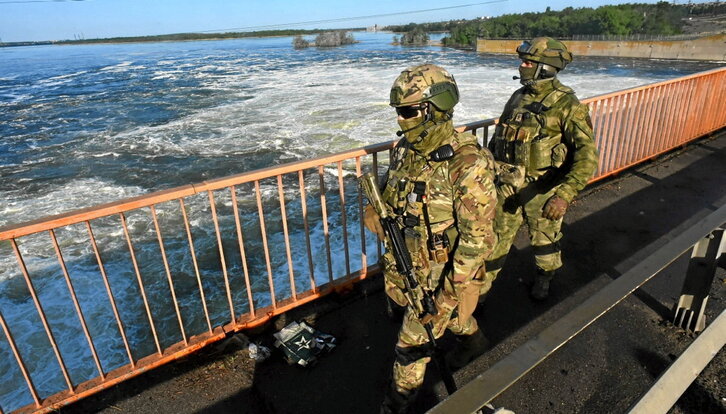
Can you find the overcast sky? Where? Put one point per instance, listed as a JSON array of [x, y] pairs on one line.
[[22, 20]]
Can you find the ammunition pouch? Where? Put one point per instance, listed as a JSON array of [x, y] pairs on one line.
[[547, 152], [439, 248], [543, 152]]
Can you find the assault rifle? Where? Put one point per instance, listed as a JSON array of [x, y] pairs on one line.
[[420, 301]]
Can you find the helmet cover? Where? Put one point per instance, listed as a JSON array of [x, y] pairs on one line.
[[545, 50], [425, 83]]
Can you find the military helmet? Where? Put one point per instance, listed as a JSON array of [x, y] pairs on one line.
[[545, 50], [425, 83]]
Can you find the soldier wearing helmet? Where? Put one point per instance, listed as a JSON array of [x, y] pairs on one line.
[[440, 186], [545, 153]]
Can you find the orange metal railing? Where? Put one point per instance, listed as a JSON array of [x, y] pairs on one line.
[[630, 126], [638, 124]]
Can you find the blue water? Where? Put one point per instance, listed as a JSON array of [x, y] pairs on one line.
[[89, 124]]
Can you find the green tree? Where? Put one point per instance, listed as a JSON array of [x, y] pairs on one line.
[[336, 38], [661, 18], [415, 37]]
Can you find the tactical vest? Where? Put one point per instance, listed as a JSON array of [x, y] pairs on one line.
[[419, 193], [523, 139]]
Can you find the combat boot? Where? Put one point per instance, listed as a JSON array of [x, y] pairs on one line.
[[468, 348], [541, 288], [396, 402]]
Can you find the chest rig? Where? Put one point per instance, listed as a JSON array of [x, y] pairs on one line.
[[419, 193], [530, 137]]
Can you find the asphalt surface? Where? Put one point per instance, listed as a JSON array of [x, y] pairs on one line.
[[605, 369]]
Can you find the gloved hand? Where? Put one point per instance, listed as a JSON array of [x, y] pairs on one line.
[[373, 222], [505, 191], [555, 208]]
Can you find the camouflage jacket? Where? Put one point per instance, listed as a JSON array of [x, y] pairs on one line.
[[459, 196], [546, 129]]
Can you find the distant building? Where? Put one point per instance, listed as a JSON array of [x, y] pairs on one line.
[[373, 28]]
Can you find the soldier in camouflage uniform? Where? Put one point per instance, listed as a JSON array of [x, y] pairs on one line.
[[545, 155], [440, 185]]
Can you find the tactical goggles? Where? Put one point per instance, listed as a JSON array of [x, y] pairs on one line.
[[525, 48], [410, 111]]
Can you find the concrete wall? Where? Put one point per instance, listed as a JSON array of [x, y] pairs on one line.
[[704, 48]]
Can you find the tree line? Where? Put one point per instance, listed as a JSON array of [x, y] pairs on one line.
[[201, 36], [661, 18]]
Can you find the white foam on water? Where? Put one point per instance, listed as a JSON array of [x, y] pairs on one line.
[[326, 108], [165, 75], [67, 75], [119, 67], [309, 110], [14, 97], [21, 206]]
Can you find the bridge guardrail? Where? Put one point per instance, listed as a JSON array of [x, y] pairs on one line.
[[505, 372], [226, 280]]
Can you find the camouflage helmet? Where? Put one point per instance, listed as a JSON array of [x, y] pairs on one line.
[[425, 83], [545, 50]]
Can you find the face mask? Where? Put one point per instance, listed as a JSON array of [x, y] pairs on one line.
[[415, 125], [527, 74]]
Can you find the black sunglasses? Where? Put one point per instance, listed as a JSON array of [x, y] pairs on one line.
[[409, 111]]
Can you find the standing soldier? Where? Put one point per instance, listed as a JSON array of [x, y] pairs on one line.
[[545, 154], [440, 190]]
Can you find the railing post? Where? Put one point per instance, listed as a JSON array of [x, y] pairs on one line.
[[306, 225], [140, 281], [21, 363], [343, 217], [681, 374], [242, 253], [109, 292], [288, 252], [43, 318], [194, 262], [263, 233], [706, 253], [77, 305]]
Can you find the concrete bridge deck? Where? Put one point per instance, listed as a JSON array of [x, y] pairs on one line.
[[603, 370]]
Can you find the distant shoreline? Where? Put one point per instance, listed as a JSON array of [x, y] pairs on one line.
[[181, 37]]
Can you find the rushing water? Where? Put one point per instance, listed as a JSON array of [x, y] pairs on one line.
[[88, 124]]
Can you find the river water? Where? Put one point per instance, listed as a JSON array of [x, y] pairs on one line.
[[88, 124]]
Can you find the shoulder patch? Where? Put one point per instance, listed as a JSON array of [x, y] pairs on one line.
[[581, 112]]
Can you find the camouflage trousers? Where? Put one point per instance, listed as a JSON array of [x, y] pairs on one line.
[[544, 234], [412, 349]]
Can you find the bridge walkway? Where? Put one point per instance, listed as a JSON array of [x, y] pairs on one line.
[[605, 369]]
